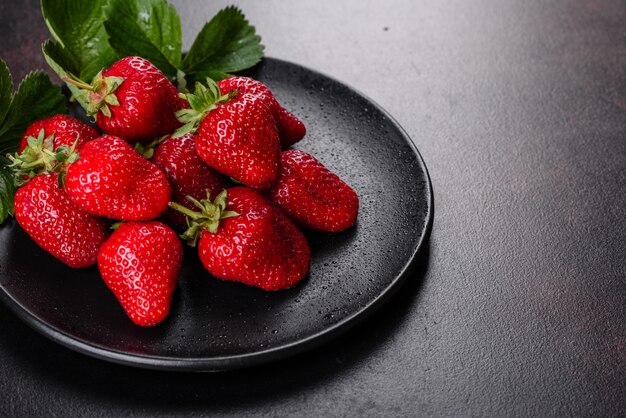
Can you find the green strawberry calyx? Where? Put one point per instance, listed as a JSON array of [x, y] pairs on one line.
[[97, 96], [203, 100], [40, 157], [208, 218]]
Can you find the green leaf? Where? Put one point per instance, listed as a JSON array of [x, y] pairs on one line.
[[36, 98], [6, 88], [7, 189], [225, 44], [147, 28], [57, 59], [77, 26]]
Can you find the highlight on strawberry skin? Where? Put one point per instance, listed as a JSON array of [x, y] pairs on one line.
[[131, 99], [56, 224], [236, 134], [112, 179], [290, 129], [140, 263], [243, 237], [313, 196]]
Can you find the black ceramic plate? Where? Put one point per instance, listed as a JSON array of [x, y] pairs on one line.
[[215, 325]]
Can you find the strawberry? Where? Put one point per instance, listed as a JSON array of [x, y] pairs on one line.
[[290, 128], [132, 99], [111, 179], [244, 238], [236, 135], [64, 129], [187, 173], [141, 263], [56, 224], [312, 196]]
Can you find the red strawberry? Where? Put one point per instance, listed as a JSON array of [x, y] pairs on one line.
[[248, 240], [187, 173], [290, 128], [312, 196], [64, 129], [111, 179], [132, 99], [56, 224], [141, 263], [237, 134]]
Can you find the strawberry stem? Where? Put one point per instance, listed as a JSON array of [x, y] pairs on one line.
[[77, 82], [185, 211]]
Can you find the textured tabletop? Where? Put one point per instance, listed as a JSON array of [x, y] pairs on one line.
[[518, 306]]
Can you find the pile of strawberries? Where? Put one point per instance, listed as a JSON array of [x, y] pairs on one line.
[[166, 163]]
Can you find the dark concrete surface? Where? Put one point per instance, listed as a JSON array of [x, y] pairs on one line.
[[519, 307]]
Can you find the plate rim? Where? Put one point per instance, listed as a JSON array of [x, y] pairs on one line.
[[232, 362]]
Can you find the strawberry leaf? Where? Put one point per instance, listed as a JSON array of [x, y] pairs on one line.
[[147, 28], [57, 59], [36, 98], [6, 87], [7, 190], [226, 44], [81, 40]]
